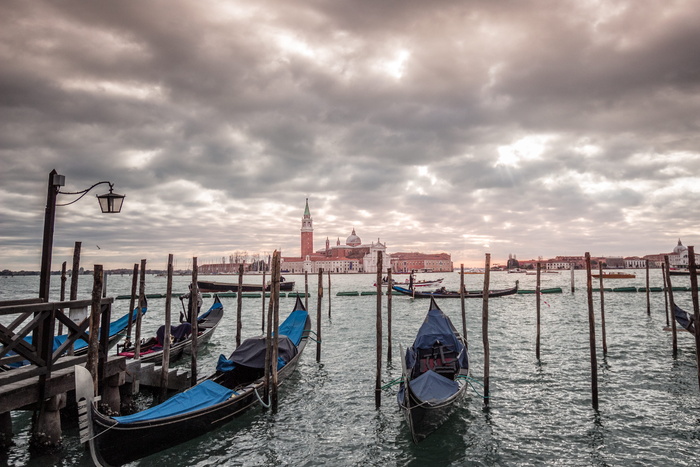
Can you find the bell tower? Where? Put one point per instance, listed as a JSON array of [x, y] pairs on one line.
[[307, 232]]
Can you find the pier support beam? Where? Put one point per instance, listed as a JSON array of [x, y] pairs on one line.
[[111, 397], [46, 434]]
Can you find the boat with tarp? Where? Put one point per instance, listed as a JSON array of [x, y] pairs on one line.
[[435, 369], [443, 293], [236, 386]]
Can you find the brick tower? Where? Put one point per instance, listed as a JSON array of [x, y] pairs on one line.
[[307, 232]]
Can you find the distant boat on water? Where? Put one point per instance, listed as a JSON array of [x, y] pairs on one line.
[[616, 275], [212, 286]]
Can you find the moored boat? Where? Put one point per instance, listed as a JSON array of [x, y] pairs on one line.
[[213, 286], [443, 293], [435, 368], [615, 275], [236, 386]]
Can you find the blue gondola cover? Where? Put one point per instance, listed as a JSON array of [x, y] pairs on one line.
[[430, 386]]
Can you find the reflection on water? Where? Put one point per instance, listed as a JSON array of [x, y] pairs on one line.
[[540, 411]]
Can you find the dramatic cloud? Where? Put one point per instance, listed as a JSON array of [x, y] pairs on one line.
[[500, 126]]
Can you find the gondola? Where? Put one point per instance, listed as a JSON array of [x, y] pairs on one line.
[[212, 286], [685, 319], [151, 349], [435, 368], [80, 346], [442, 293], [236, 386]]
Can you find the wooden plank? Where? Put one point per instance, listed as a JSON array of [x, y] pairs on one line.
[[39, 307]]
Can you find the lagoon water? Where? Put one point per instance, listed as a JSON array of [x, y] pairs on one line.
[[540, 412]]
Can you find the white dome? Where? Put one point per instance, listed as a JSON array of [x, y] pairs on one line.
[[353, 240], [679, 248]]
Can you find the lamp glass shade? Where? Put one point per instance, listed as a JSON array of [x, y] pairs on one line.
[[110, 203]]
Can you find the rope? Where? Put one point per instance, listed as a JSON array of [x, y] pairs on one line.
[[394, 382], [471, 380], [267, 406]]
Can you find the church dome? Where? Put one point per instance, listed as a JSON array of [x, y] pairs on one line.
[[679, 248], [353, 240]]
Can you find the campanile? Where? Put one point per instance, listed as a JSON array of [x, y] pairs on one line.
[[307, 232]]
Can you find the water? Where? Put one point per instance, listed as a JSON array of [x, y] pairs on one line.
[[540, 412]]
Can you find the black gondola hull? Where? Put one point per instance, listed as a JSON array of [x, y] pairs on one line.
[[454, 294]]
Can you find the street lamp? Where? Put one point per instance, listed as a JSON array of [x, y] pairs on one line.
[[109, 203]]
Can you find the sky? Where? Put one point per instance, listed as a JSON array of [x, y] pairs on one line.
[[526, 127]]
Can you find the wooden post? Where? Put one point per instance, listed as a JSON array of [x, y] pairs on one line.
[[306, 289], [646, 264], [318, 315], [239, 303], [141, 303], [268, 334], [602, 309], [93, 336], [262, 318], [275, 293], [671, 303], [132, 303], [194, 298], [63, 294], [696, 305], [538, 303], [572, 266], [591, 334], [168, 323], [461, 298], [388, 315], [329, 294], [663, 276], [75, 272], [378, 376], [485, 328]]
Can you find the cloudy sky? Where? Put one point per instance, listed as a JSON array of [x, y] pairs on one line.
[[537, 128]]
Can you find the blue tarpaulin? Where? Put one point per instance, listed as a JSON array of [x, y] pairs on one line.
[[430, 386], [437, 328], [199, 397]]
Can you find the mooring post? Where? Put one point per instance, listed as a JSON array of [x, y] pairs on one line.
[[262, 317], [194, 299], [388, 315], [165, 364], [132, 303], [378, 376], [646, 265], [276, 325], [672, 306], [485, 328], [6, 430], [329, 294], [75, 272], [696, 305], [572, 267], [93, 336], [239, 304], [461, 299], [306, 289], [63, 294], [318, 315], [602, 309], [268, 335], [663, 276], [538, 300], [591, 334], [141, 303]]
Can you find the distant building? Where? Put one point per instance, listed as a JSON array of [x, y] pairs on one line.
[[421, 262]]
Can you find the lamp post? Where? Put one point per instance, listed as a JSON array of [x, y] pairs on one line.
[[109, 203]]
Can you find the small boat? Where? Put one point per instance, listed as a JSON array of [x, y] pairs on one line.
[[685, 319], [434, 283], [151, 349], [442, 293], [435, 368], [212, 286], [236, 386], [681, 272], [615, 275]]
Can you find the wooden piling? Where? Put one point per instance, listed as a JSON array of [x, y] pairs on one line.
[[141, 304], [461, 299], [262, 318], [388, 316], [591, 334], [268, 334], [378, 376], [239, 305], [75, 272], [696, 305], [671, 303], [485, 328], [275, 293], [94, 326], [329, 295], [168, 323], [663, 276], [646, 265], [306, 289], [538, 304], [132, 303], [318, 315], [63, 294], [194, 298], [602, 310], [572, 267]]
